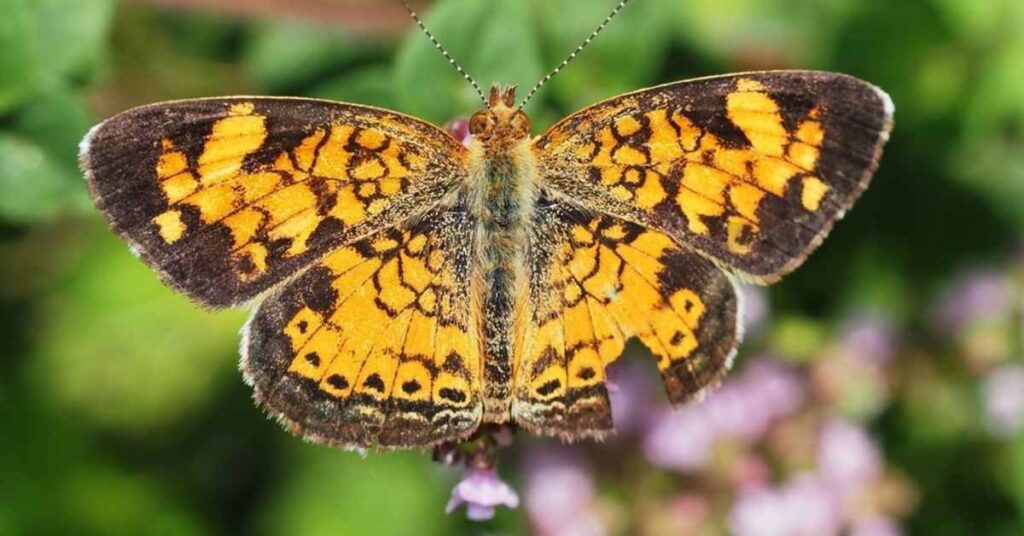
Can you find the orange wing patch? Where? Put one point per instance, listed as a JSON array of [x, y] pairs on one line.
[[750, 169], [635, 160], [597, 282], [381, 334], [337, 171], [225, 197]]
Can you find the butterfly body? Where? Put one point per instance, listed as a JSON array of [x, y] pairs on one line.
[[409, 288], [502, 186]]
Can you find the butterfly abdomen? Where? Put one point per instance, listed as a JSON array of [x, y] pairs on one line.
[[504, 197]]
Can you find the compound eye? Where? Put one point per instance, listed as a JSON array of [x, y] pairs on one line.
[[479, 122], [521, 121]]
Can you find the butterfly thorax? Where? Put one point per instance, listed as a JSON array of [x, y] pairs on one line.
[[502, 197]]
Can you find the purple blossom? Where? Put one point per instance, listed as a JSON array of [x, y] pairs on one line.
[[755, 308], [560, 495], [630, 389], [481, 491], [854, 376], [804, 507], [1003, 399], [750, 473], [848, 459], [459, 129], [973, 297], [868, 340], [743, 408], [690, 512], [876, 526], [774, 389], [680, 439]]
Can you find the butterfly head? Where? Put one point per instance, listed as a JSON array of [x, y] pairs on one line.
[[501, 123]]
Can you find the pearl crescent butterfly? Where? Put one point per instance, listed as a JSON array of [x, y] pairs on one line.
[[410, 289]]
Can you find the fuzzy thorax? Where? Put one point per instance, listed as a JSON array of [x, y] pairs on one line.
[[502, 186]]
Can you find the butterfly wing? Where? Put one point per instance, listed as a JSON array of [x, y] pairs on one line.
[[226, 197], [596, 281], [749, 169], [376, 344]]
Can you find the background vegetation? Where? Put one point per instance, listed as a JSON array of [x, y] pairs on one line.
[[122, 411]]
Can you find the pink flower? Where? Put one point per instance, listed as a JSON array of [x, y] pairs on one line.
[[481, 491], [560, 495], [459, 129], [975, 296], [751, 472], [1002, 393], [868, 340], [876, 526], [755, 308], [801, 508], [772, 389], [744, 408], [848, 459], [691, 512], [630, 389], [680, 439]]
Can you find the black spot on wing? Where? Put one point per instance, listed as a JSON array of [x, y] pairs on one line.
[[317, 290], [704, 103], [374, 382], [337, 381]]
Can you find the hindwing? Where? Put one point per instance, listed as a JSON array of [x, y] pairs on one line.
[[595, 282], [376, 344]]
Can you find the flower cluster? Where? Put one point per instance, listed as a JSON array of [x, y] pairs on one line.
[[982, 313]]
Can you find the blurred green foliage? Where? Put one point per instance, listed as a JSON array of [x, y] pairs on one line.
[[122, 411]]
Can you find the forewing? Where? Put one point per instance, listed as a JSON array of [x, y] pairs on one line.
[[226, 197], [750, 169], [376, 344], [595, 282]]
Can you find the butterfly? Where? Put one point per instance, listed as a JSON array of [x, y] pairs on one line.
[[410, 289]]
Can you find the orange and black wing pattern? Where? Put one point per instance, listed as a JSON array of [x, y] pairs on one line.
[[376, 345], [597, 281], [751, 169], [226, 197]]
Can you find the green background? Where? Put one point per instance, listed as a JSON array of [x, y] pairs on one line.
[[122, 410]]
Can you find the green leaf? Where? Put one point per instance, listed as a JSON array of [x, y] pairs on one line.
[[56, 481], [494, 41], [342, 494], [989, 159], [34, 187], [634, 44], [113, 501], [754, 34], [39, 172], [44, 41], [1015, 476], [370, 86], [57, 122], [17, 57], [286, 55], [979, 21], [797, 339], [121, 349]]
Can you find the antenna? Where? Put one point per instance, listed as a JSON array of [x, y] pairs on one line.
[[572, 56], [444, 52]]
